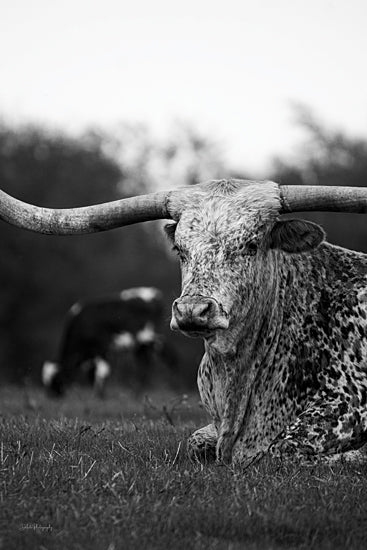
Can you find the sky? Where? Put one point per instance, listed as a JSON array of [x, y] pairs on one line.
[[233, 69]]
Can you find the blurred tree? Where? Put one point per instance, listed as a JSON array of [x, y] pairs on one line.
[[328, 157], [185, 157]]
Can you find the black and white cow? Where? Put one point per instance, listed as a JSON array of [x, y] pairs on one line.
[[129, 321]]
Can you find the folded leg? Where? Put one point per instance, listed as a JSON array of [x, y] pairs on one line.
[[323, 429], [201, 445]]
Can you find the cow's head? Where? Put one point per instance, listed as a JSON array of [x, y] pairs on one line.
[[224, 232], [227, 240]]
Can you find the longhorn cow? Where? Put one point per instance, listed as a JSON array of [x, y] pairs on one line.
[[283, 313]]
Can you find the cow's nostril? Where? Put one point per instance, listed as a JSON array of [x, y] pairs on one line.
[[201, 311], [179, 309]]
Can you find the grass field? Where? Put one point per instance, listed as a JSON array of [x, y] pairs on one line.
[[81, 473]]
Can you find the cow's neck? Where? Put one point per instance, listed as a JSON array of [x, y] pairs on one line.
[[246, 373], [251, 353]]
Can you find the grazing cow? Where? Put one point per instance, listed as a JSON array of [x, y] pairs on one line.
[[127, 321], [283, 314]]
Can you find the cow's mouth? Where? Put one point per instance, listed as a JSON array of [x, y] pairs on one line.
[[193, 332]]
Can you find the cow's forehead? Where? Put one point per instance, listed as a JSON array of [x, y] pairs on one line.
[[229, 208]]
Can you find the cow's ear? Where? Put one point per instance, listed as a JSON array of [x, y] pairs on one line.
[[296, 236]]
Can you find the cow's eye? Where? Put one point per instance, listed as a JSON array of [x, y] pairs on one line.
[[252, 248], [248, 248], [179, 253]]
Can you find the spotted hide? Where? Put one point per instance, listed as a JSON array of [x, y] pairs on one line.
[[283, 315]]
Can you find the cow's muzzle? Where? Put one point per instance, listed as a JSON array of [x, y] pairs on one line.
[[197, 315]]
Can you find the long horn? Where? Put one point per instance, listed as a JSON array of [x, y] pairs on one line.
[[323, 198], [87, 219]]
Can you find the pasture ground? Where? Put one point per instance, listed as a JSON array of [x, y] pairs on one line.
[[81, 473]]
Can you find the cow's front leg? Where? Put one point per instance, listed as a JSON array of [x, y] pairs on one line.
[[102, 371], [201, 445]]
